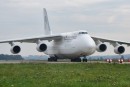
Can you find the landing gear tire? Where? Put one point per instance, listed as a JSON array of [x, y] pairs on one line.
[[76, 60], [52, 59], [85, 60]]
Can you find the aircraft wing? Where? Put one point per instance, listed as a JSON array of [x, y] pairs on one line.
[[33, 39], [110, 41]]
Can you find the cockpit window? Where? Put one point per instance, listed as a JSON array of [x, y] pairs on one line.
[[83, 33]]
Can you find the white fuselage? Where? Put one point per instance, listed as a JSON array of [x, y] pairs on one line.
[[72, 45]]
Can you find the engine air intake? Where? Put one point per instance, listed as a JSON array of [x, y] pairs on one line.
[[101, 47], [119, 50], [15, 49], [42, 47]]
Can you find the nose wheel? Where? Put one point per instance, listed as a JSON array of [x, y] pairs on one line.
[[85, 59]]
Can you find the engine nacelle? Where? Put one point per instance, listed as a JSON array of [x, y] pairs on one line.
[[15, 49], [119, 49], [101, 47], [41, 47]]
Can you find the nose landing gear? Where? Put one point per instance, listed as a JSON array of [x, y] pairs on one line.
[[85, 59]]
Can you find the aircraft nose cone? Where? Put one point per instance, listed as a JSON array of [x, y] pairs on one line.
[[89, 45]]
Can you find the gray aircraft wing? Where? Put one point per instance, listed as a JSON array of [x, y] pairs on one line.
[[110, 41], [33, 39]]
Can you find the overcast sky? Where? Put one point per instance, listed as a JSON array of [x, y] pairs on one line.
[[102, 18]]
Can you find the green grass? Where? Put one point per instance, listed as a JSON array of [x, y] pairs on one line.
[[65, 75]]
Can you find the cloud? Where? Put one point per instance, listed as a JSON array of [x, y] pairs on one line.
[[120, 16], [83, 2], [112, 19], [51, 4], [124, 9]]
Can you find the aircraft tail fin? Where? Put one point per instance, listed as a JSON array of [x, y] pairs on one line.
[[47, 29]]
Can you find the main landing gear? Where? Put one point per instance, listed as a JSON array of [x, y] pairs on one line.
[[52, 59], [79, 60], [76, 60]]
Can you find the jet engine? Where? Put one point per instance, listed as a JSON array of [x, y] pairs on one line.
[[101, 47], [119, 49], [41, 47], [15, 49]]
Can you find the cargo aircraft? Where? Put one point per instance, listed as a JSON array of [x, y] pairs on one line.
[[71, 45]]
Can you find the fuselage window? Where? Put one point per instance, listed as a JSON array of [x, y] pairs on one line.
[[83, 33]]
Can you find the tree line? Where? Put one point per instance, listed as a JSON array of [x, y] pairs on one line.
[[10, 57]]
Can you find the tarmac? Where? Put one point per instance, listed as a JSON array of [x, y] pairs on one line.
[[45, 61]]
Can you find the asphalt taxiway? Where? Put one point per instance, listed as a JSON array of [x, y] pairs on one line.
[[45, 61]]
